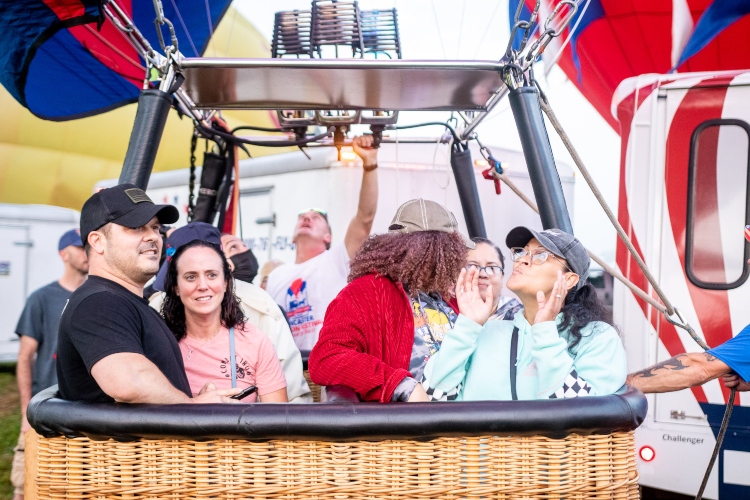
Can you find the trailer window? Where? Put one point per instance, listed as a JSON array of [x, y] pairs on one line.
[[716, 252]]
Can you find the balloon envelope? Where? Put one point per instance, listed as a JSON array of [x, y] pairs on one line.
[[616, 39], [63, 59]]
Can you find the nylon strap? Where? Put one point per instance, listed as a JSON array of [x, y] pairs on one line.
[[513, 360], [232, 366]]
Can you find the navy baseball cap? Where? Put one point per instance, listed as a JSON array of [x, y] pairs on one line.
[[560, 243], [194, 231], [125, 205], [72, 237]]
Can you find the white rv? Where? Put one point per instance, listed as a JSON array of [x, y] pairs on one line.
[[29, 259], [684, 187], [273, 189]]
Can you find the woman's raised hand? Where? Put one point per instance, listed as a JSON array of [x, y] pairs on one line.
[[550, 307], [470, 302]]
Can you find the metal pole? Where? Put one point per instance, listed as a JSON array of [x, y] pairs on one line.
[[466, 183], [150, 119], [524, 101]]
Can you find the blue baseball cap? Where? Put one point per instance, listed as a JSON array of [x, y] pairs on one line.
[[194, 231], [72, 237]]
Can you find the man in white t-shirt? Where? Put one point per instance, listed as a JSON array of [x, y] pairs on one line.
[[304, 289]]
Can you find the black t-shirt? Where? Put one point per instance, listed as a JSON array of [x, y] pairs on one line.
[[104, 318]]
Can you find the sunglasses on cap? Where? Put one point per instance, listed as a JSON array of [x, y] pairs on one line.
[[320, 211]]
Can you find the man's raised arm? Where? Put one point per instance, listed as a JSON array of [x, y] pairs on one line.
[[361, 225]]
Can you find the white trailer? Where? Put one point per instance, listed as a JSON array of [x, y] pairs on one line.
[[684, 200], [273, 189], [29, 259]]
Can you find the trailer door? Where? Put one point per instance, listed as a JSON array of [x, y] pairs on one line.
[[258, 221], [14, 249]]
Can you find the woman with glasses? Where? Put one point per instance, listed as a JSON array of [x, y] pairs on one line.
[[488, 260], [561, 344]]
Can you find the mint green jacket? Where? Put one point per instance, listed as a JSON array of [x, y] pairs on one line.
[[473, 362]]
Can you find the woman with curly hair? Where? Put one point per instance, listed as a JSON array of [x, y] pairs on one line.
[[204, 314], [385, 324], [560, 345]]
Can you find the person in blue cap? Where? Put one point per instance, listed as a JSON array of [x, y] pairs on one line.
[[37, 331], [258, 307]]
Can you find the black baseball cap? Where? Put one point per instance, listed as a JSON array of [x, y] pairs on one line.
[[560, 243], [125, 205]]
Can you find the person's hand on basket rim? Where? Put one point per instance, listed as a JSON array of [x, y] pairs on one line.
[[418, 395], [210, 394]]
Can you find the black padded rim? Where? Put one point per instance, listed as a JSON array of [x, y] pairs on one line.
[[338, 421]]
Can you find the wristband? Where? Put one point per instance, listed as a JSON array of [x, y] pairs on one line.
[[369, 168]]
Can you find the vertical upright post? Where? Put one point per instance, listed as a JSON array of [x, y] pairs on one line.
[[524, 101], [150, 119], [466, 183]]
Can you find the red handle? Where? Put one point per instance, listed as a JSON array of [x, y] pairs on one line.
[[487, 174]]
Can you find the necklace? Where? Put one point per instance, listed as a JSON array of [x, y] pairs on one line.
[[192, 348]]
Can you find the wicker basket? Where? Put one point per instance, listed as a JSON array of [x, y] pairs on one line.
[[314, 388], [569, 448], [502, 467]]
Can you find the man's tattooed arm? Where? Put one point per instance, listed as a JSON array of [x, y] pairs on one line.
[[676, 363], [680, 372]]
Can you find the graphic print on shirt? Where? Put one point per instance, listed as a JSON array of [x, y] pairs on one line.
[[433, 318], [241, 364], [299, 311]]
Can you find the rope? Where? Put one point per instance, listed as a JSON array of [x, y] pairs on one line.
[[600, 198], [669, 309], [617, 275], [667, 305], [440, 33], [486, 31], [614, 272], [719, 440]]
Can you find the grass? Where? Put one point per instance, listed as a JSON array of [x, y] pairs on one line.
[[10, 423]]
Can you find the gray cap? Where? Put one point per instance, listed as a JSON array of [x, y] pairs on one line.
[[558, 242], [425, 215]]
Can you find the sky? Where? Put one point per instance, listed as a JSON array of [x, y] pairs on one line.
[[478, 30]]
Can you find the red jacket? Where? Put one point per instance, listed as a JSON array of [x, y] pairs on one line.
[[366, 339]]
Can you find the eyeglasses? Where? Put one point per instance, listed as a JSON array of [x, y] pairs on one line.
[[490, 270], [538, 257], [316, 210]]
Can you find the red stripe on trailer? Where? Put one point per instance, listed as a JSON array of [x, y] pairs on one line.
[[666, 331], [699, 104]]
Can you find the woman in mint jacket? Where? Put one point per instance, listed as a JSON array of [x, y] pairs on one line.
[[560, 345]]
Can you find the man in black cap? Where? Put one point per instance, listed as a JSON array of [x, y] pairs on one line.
[[112, 346]]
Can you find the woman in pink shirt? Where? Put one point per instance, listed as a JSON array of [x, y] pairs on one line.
[[202, 311]]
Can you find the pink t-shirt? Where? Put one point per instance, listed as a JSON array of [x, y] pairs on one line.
[[256, 361]]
